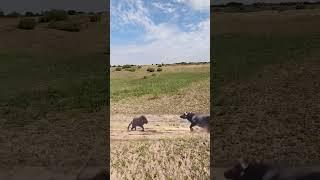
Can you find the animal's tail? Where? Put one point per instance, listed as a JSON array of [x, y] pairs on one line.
[[129, 125]]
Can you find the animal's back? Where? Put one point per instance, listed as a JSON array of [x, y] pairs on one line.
[[202, 120]]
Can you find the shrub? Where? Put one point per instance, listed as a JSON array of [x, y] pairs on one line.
[[72, 12], [94, 18], [159, 65], [234, 4], [153, 74], [139, 67], [1, 14], [71, 26], [118, 69], [54, 15], [126, 66], [150, 69], [145, 77], [159, 69], [27, 23], [29, 14]]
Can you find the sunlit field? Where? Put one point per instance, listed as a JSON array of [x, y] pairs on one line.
[[166, 149]]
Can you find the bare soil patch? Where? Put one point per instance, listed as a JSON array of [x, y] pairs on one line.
[[159, 126]]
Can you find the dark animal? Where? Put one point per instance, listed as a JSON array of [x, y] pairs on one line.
[[138, 121], [201, 120], [256, 170]]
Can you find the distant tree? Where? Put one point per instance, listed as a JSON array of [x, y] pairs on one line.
[[29, 14], [53, 15], [13, 14], [72, 12], [234, 4], [1, 13], [300, 6], [126, 66]]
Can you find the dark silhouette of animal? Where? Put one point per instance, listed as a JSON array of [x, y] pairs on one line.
[[138, 121], [201, 120], [257, 170], [95, 175]]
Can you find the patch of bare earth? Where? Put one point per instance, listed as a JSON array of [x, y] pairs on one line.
[[159, 126], [274, 116]]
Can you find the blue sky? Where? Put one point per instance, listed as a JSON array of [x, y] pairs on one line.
[[159, 31]]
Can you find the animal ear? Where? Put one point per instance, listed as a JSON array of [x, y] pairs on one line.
[[243, 163]]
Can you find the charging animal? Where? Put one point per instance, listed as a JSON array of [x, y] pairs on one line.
[[201, 120]]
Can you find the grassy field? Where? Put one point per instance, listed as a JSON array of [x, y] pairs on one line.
[[53, 96], [265, 77], [166, 149], [244, 43]]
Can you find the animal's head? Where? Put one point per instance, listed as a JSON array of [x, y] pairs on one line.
[[144, 119], [187, 115], [237, 170], [244, 169]]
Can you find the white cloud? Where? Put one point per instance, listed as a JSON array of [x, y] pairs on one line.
[[165, 42], [165, 7], [196, 4]]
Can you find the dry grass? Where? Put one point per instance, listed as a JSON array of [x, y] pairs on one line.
[[180, 158]]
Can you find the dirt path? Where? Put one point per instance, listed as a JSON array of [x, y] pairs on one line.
[[159, 126]]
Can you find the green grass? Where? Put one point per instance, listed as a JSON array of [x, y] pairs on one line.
[[166, 83], [50, 84], [240, 56]]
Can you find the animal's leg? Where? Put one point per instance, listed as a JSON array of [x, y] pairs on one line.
[[133, 127], [192, 124], [142, 128]]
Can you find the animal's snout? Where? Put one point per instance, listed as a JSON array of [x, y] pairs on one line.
[[183, 116]]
